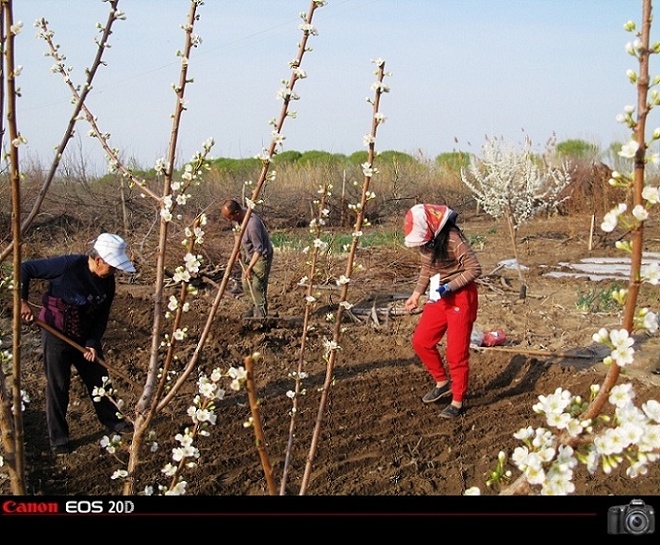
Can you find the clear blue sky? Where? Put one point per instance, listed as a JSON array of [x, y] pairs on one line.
[[461, 70]]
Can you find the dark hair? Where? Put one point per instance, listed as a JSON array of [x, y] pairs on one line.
[[438, 245], [232, 206]]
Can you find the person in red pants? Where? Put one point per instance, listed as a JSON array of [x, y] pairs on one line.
[[449, 268]]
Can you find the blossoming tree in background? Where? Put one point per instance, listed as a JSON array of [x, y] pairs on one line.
[[515, 185]]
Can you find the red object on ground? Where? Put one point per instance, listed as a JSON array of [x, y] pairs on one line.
[[494, 338]]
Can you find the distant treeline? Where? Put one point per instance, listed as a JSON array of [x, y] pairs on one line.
[[452, 161], [287, 200]]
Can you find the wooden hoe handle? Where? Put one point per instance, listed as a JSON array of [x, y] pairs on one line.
[[82, 349]]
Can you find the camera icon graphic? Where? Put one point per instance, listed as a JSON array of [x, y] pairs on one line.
[[636, 518]]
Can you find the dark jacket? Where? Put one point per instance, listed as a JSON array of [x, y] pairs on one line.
[[77, 302]]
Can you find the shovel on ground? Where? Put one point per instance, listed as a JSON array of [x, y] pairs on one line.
[[82, 349]]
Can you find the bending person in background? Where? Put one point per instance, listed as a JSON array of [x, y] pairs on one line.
[[449, 267], [256, 258], [77, 303]]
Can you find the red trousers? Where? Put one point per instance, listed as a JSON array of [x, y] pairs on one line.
[[454, 315]]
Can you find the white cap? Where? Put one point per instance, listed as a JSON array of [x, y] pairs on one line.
[[112, 249]]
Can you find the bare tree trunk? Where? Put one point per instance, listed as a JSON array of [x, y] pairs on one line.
[[332, 355], [256, 423], [17, 454], [512, 234]]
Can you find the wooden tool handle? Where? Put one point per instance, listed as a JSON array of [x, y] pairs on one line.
[[82, 349]]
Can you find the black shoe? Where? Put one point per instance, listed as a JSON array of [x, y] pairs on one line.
[[123, 426], [437, 393], [451, 411], [60, 450]]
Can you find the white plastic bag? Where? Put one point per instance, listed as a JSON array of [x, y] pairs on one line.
[[477, 336]]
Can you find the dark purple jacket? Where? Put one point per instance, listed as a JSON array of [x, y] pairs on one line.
[[77, 302]]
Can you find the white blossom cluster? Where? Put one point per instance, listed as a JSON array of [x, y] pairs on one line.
[[25, 398], [7, 283], [111, 444], [298, 377], [105, 390], [379, 88], [515, 183], [631, 434], [318, 246], [202, 413], [173, 304], [191, 175], [286, 93], [5, 358], [330, 346], [634, 435], [184, 273]]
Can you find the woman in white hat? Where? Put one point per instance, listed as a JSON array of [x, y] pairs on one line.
[[449, 268], [77, 303]]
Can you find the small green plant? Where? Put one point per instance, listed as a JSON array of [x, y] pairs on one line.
[[477, 241], [598, 300], [337, 243], [287, 241]]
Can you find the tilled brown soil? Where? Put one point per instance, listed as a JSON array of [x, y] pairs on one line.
[[377, 438]]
